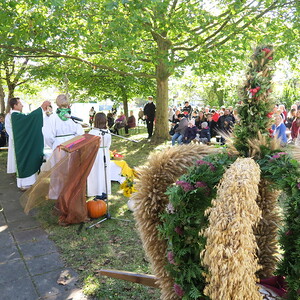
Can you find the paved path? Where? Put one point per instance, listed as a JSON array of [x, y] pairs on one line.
[[30, 264]]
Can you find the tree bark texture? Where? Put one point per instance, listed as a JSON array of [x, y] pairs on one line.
[[2, 96], [161, 131]]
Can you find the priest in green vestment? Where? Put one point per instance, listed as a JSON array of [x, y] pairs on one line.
[[28, 141]]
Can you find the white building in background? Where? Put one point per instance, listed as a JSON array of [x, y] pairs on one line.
[[81, 110]]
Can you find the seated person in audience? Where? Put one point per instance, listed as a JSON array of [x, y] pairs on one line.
[[179, 131], [3, 133], [200, 119], [204, 134], [195, 114], [175, 122], [190, 132], [283, 111], [295, 126], [119, 123], [141, 114], [279, 129], [170, 114], [297, 140], [130, 122], [214, 123], [110, 120], [290, 118], [175, 118]]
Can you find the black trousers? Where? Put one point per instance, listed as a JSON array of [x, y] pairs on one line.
[[149, 127]]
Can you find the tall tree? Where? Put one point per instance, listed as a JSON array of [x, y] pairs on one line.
[[13, 72], [2, 97], [85, 83], [148, 39]]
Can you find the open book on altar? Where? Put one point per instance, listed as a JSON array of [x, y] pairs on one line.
[[77, 142]]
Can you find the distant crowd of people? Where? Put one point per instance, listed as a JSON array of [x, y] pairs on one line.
[[201, 124], [187, 124], [118, 121]]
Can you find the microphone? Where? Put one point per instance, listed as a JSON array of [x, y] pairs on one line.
[[73, 118]]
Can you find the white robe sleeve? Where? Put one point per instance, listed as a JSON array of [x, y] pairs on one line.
[[49, 131]]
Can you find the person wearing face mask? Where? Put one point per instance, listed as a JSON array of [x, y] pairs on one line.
[[149, 115], [60, 127], [26, 142]]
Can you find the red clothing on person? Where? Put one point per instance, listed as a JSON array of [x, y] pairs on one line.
[[215, 117], [294, 129], [131, 122]]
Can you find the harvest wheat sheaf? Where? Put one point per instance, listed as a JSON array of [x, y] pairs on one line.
[[210, 220]]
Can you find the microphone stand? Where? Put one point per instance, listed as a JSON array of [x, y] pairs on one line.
[[108, 216]]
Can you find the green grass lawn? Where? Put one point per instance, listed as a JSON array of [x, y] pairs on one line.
[[113, 244]]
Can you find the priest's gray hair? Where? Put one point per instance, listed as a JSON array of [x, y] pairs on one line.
[[62, 100]]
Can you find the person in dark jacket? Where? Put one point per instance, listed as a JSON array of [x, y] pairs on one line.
[[180, 130], [204, 135], [190, 132], [149, 115], [110, 120], [131, 123], [187, 109]]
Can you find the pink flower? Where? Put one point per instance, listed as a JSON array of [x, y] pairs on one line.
[[277, 155], [171, 258], [178, 290], [200, 184], [282, 153], [185, 185], [270, 57], [298, 185], [203, 162], [179, 230]]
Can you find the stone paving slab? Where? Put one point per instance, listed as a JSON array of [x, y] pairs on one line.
[[6, 239], [47, 283], [13, 215], [12, 270], [30, 263], [11, 203], [2, 221], [10, 252], [23, 224], [75, 294], [45, 263], [37, 248], [20, 289], [30, 235]]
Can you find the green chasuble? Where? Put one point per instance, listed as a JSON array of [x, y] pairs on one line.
[[29, 142]]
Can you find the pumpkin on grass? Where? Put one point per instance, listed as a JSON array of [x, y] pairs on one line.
[[96, 208]]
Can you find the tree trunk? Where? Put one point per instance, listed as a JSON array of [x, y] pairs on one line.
[[161, 131], [125, 101], [125, 105], [2, 96], [11, 91], [163, 72]]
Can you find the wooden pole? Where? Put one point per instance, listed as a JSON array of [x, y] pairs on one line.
[[145, 279]]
